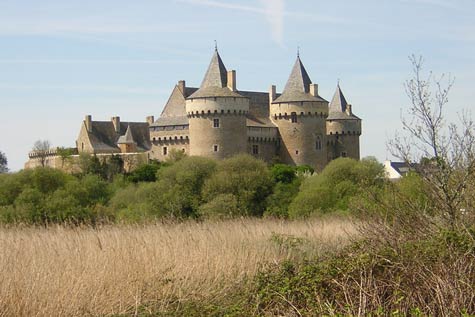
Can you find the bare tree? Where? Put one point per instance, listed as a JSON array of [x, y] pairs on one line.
[[41, 148], [3, 163], [445, 151]]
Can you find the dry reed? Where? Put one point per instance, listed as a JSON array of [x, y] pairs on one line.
[[59, 271]]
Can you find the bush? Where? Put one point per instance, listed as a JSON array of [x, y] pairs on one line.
[[245, 177], [223, 206], [137, 203], [283, 194], [283, 173], [145, 173], [332, 190]]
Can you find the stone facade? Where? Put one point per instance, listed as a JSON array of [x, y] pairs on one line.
[[296, 127], [217, 120]]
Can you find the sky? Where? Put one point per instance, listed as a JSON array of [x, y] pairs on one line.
[[61, 60]]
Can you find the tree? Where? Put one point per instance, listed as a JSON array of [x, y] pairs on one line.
[[334, 188], [245, 177], [446, 151], [41, 148], [65, 154], [3, 163]]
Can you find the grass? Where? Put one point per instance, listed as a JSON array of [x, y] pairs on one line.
[[124, 269]]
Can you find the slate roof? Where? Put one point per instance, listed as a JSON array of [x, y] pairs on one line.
[[403, 168], [337, 107], [104, 137], [169, 121], [127, 138], [215, 82], [297, 86], [338, 103]]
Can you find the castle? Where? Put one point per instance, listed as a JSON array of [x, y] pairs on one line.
[[217, 120]]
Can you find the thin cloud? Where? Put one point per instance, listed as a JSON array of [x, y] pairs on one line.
[[274, 12]]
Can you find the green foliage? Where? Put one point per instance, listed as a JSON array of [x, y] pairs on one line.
[[176, 193], [223, 206], [283, 173], [3, 163], [136, 203], [245, 177], [278, 202], [304, 169], [105, 168], [145, 173], [45, 195], [332, 189]]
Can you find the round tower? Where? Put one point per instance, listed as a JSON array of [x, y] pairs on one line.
[[300, 113], [217, 114], [343, 129]]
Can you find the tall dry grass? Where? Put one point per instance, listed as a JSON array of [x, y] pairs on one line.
[[60, 271]]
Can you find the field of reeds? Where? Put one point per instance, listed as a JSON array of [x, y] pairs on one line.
[[113, 270]]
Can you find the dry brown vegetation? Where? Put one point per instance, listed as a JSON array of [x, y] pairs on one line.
[[119, 269]]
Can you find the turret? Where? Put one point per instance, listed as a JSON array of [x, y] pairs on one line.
[[217, 114], [343, 128], [299, 112], [126, 142]]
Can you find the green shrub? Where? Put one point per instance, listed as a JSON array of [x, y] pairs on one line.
[[340, 181], [145, 173], [278, 202], [176, 193], [245, 177], [283, 173], [223, 206]]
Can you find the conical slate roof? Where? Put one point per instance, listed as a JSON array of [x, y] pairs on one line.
[[338, 103], [127, 138], [215, 82], [338, 106], [298, 85]]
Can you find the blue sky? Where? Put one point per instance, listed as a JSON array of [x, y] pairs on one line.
[[61, 60]]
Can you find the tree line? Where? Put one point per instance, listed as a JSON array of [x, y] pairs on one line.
[[183, 188]]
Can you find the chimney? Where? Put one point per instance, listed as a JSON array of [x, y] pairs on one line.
[[272, 93], [232, 80], [150, 120], [348, 110], [88, 122], [182, 86], [314, 89], [116, 122]]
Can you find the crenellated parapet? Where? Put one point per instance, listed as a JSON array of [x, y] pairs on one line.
[[50, 153], [280, 111], [217, 106], [344, 127]]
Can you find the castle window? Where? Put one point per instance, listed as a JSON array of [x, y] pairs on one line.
[[165, 150], [297, 152], [318, 144], [293, 117], [215, 148], [215, 123], [255, 149], [343, 154]]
